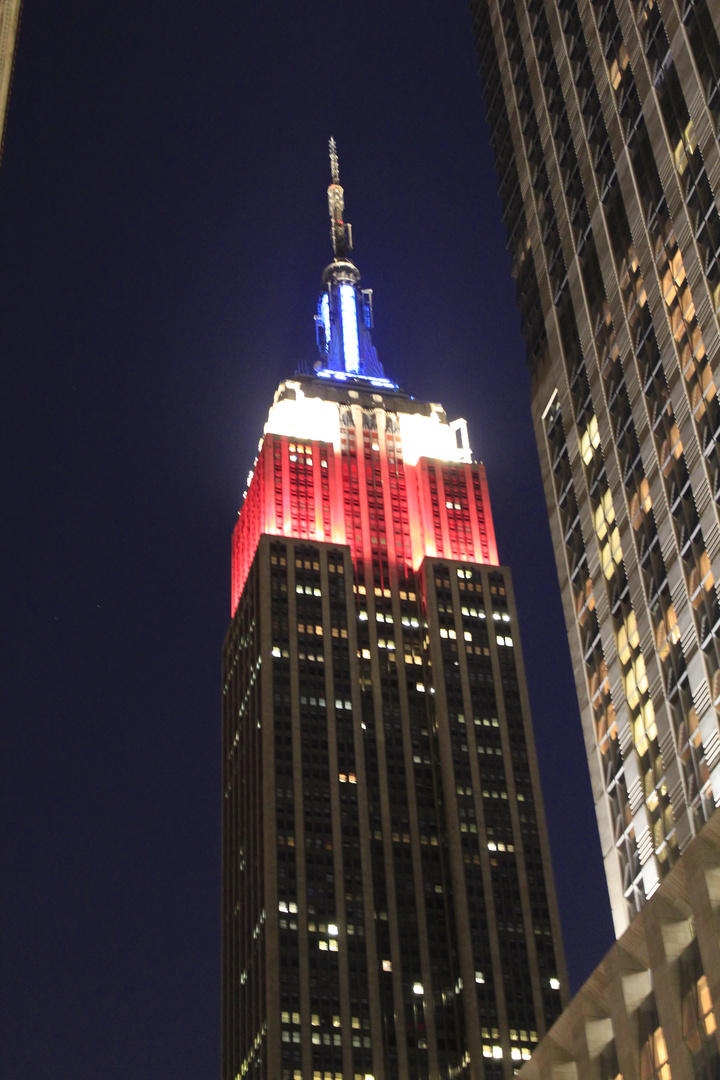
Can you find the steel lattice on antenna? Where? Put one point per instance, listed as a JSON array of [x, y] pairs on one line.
[[334, 168], [340, 232]]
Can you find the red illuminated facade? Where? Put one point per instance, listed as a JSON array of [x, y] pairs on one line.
[[364, 494]]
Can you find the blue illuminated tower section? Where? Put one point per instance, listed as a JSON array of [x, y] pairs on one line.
[[344, 317]]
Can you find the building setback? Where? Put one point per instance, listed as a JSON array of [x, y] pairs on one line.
[[610, 180], [388, 904]]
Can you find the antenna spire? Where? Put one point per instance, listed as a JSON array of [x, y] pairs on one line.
[[344, 313], [334, 169], [340, 232]]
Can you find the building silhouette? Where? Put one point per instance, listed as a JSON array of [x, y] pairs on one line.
[[388, 903], [604, 117]]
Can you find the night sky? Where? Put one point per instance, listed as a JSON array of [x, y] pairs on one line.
[[163, 230]]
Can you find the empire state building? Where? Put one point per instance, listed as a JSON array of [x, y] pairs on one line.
[[388, 902]]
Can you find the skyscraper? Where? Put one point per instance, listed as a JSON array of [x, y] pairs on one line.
[[388, 905], [610, 181]]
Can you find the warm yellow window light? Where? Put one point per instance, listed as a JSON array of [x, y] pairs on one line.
[[636, 682], [627, 638], [640, 503], [604, 515], [611, 553], [667, 633], [590, 440], [705, 1003], [654, 1058]]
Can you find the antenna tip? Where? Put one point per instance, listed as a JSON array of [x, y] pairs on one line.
[[334, 170]]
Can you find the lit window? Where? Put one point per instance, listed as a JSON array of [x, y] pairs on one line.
[[644, 728], [636, 682], [654, 1058], [611, 553], [590, 440], [701, 578], [640, 504], [604, 515], [699, 1023], [627, 638], [617, 66], [417, 988], [671, 448], [667, 633], [685, 148]]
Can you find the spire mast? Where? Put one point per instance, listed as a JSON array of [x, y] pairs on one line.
[[340, 232], [344, 313], [334, 168]]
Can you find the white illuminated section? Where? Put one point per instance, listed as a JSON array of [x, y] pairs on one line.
[[348, 314], [304, 418], [325, 315], [430, 437]]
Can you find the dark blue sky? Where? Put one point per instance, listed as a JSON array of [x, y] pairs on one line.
[[163, 229]]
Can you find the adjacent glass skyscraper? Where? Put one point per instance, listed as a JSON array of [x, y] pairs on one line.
[[388, 906], [604, 119]]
